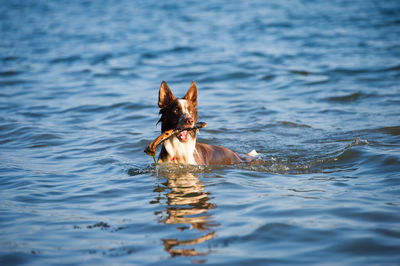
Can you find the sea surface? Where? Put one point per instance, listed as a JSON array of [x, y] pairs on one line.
[[313, 86]]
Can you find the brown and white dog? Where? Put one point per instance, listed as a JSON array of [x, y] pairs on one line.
[[179, 113]]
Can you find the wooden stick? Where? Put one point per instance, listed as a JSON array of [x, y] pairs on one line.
[[151, 149]]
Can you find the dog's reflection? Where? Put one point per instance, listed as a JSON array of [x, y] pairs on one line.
[[187, 207]]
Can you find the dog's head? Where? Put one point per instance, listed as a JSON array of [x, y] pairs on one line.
[[178, 113]]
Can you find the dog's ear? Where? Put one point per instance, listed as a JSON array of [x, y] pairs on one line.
[[191, 95], [165, 95]]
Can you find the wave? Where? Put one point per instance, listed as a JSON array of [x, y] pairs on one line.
[[342, 158], [352, 97]]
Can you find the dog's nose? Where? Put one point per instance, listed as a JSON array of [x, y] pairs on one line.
[[189, 121]]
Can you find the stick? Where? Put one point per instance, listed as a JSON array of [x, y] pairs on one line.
[[151, 149]]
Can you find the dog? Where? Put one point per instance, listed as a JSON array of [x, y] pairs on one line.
[[182, 148]]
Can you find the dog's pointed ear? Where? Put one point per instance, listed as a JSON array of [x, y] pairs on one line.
[[165, 95], [191, 95]]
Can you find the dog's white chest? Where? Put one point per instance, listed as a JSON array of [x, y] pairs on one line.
[[181, 152]]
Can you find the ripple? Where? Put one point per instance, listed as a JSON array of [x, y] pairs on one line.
[[394, 131], [228, 76], [100, 58], [352, 97], [10, 73], [67, 59], [13, 82], [366, 247], [294, 125], [181, 49]]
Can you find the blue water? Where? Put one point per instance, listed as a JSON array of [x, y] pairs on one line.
[[313, 86]]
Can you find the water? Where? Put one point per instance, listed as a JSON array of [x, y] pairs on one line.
[[313, 86]]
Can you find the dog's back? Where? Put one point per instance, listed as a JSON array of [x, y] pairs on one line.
[[211, 155]]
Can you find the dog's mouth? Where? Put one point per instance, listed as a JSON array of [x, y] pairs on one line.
[[183, 136]]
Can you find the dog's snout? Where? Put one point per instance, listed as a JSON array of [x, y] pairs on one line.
[[189, 121]]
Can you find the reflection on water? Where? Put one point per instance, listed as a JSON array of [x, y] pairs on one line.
[[187, 208]]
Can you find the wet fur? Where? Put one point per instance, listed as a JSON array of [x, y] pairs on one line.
[[180, 113]]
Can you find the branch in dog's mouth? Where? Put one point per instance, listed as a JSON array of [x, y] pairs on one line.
[[151, 149]]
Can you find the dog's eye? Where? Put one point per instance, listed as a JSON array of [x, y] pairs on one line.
[[176, 111]]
